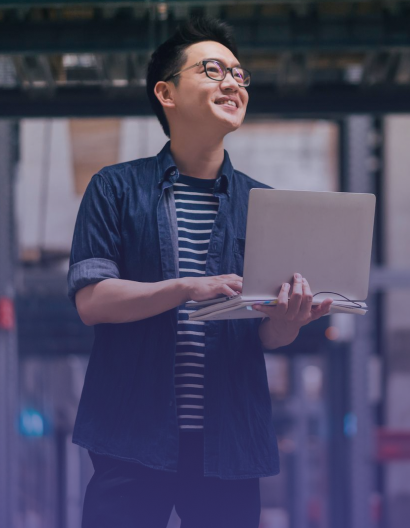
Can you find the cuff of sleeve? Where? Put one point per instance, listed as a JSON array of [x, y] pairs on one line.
[[88, 272]]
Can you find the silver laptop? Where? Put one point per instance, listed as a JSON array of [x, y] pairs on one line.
[[324, 236]]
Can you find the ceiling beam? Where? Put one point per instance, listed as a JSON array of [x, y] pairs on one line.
[[331, 102], [292, 31], [60, 3]]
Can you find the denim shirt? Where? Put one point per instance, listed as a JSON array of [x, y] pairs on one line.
[[127, 229]]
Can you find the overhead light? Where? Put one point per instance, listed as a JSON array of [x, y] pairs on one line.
[[162, 10]]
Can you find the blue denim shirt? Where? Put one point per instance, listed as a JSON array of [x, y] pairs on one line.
[[126, 228]]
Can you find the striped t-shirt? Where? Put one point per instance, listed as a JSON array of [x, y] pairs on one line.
[[196, 209]]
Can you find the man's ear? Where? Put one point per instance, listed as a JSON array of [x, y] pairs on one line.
[[164, 93]]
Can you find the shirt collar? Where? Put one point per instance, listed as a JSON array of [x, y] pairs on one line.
[[168, 171]]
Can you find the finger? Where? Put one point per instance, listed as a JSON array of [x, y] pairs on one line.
[[267, 310], [321, 309], [226, 290], [283, 300], [235, 285], [307, 299], [296, 297], [325, 305]]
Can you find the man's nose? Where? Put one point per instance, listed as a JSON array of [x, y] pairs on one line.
[[229, 82]]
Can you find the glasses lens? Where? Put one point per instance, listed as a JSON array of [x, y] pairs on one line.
[[242, 76], [215, 70]]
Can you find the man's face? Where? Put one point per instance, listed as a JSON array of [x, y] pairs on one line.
[[203, 101]]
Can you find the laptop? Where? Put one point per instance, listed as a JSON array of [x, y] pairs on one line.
[[324, 236]]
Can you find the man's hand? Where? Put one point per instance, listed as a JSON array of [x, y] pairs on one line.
[[204, 288], [290, 313]]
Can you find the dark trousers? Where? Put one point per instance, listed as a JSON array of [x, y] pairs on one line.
[[128, 495]]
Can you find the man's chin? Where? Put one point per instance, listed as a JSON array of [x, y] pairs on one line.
[[229, 124], [229, 119], [231, 127]]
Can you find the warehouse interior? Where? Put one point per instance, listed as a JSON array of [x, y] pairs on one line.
[[329, 110]]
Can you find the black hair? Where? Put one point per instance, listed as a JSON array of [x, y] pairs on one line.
[[170, 56]]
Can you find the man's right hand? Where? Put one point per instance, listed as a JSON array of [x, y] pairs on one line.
[[125, 301], [205, 288]]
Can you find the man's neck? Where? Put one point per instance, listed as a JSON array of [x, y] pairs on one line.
[[197, 160]]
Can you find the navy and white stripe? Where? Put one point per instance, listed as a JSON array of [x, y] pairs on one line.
[[196, 209]]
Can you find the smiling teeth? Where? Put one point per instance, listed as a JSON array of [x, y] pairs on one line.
[[229, 102]]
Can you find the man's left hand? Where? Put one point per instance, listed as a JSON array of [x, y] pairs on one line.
[[290, 313]]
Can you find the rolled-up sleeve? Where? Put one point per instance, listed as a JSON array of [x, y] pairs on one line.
[[96, 247]]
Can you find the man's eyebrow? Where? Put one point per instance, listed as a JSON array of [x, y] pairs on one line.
[[237, 65]]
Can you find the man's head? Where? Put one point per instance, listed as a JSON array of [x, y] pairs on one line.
[[192, 97]]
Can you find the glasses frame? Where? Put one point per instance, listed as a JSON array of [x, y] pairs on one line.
[[224, 68]]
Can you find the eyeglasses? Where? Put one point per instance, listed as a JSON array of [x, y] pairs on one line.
[[217, 71]]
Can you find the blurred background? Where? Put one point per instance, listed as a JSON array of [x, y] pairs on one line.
[[329, 110]]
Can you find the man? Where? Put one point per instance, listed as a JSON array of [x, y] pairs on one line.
[[176, 412]]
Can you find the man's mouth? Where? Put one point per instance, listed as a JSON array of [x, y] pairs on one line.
[[226, 102]]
